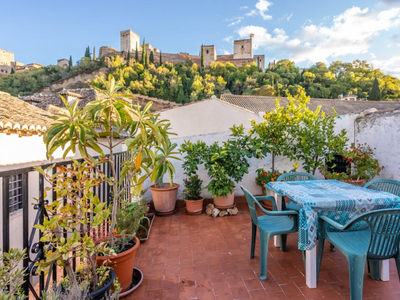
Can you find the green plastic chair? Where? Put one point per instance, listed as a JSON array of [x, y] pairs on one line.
[[271, 224], [385, 185], [378, 241]]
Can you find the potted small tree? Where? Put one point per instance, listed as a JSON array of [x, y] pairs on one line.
[[191, 194], [69, 228], [164, 194]]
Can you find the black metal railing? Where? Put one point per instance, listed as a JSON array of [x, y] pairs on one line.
[[31, 236]]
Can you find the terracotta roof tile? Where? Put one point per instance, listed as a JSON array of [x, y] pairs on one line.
[[259, 104], [19, 117]]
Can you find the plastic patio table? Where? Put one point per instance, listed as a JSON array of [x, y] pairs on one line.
[[338, 200]]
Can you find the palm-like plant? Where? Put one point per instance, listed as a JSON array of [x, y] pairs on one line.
[[106, 123]]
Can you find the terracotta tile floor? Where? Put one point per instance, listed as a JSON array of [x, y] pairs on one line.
[[200, 257]]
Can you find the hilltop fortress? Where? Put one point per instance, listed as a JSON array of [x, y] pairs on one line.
[[242, 52]]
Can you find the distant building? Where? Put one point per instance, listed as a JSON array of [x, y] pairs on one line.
[[63, 62], [242, 52], [348, 97], [6, 62]]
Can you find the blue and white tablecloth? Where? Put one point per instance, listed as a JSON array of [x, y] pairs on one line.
[[338, 200]]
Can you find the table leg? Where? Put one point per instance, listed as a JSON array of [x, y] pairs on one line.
[[311, 268], [384, 270], [278, 201]]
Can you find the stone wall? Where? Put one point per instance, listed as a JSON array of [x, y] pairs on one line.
[[6, 57], [243, 49], [260, 61], [106, 51]]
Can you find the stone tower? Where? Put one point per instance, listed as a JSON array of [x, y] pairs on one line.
[[129, 40], [260, 61], [210, 54], [243, 49]]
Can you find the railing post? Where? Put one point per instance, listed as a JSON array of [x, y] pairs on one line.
[[25, 229], [6, 214]]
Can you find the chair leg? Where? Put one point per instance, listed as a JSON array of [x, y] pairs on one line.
[[283, 242], [374, 269], [356, 270], [320, 253], [264, 241], [333, 248], [397, 259], [253, 239]]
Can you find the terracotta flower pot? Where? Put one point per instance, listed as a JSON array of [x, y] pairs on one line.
[[224, 202], [194, 206], [122, 264], [359, 182], [164, 199]]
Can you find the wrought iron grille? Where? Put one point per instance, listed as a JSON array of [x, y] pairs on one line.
[[15, 192]]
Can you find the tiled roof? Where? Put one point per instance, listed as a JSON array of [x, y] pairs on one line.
[[19, 117], [259, 104]]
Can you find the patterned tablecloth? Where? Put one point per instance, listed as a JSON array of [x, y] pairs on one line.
[[338, 200]]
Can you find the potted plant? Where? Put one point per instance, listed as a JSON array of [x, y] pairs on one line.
[[164, 194], [191, 194], [263, 177], [360, 164], [106, 123], [69, 228], [11, 276]]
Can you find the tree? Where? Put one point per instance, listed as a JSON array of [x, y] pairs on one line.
[[375, 93], [151, 57], [129, 57], [94, 53], [12, 71], [202, 57], [136, 53], [160, 59], [143, 51], [87, 53], [70, 62]]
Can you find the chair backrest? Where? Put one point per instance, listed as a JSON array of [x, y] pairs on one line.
[[296, 176], [385, 185], [251, 202], [385, 232]]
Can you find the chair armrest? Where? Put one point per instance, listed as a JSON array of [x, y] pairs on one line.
[[284, 212], [268, 198], [333, 223]]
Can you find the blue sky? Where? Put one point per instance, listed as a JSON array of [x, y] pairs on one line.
[[304, 31]]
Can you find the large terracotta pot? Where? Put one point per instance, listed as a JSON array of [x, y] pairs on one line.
[[359, 182], [224, 202], [122, 264], [164, 199], [194, 206]]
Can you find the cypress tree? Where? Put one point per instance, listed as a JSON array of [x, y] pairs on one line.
[[143, 51], [129, 57], [202, 57], [70, 63], [151, 57], [375, 93], [136, 54], [87, 52], [160, 59], [12, 71], [94, 53]]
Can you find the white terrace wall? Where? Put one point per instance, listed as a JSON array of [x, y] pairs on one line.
[[382, 131]]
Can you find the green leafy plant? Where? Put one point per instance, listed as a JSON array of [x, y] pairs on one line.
[[263, 177], [108, 122], [163, 165], [363, 164], [11, 276], [130, 215], [67, 219], [193, 186]]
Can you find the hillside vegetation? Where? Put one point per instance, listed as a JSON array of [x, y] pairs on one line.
[[27, 83], [185, 82]]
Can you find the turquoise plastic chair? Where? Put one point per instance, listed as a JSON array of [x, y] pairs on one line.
[[271, 224], [378, 241], [385, 185]]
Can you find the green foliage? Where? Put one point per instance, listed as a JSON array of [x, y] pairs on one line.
[[193, 186], [81, 210], [202, 57], [263, 177], [375, 93], [94, 53], [225, 164], [11, 276], [87, 53], [163, 165], [136, 53], [151, 57], [70, 65], [160, 62], [130, 215]]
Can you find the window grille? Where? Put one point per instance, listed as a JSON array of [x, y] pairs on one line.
[[15, 192]]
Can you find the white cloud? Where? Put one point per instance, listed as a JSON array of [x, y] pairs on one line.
[[288, 17], [224, 52], [228, 39], [389, 66], [352, 32], [373, 56], [244, 7], [262, 7], [235, 21], [251, 13]]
